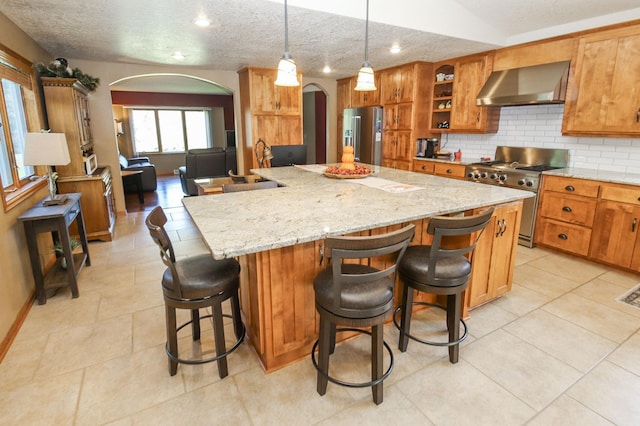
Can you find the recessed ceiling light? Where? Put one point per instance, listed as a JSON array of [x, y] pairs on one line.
[[178, 56], [326, 69], [395, 48], [202, 21]]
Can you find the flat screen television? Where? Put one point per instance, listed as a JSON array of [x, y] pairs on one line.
[[287, 155]]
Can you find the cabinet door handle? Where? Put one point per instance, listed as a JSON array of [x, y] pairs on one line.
[[569, 188], [321, 249], [504, 227], [567, 209], [478, 118], [563, 236], [449, 171], [638, 116], [633, 224], [499, 228]]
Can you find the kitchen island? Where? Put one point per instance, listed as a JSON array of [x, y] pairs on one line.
[[277, 235]]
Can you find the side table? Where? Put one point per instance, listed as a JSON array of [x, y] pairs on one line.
[[135, 177], [56, 219]]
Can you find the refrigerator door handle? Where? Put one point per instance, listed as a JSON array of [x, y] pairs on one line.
[[356, 121]]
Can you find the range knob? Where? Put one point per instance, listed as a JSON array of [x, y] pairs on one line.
[[470, 174], [529, 183], [503, 177], [476, 175], [484, 175], [521, 182], [494, 176]]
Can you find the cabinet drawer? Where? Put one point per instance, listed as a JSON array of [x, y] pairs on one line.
[[568, 208], [586, 188], [421, 166], [622, 193], [449, 170], [564, 236]]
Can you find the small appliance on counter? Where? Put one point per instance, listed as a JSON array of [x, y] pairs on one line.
[[426, 147]]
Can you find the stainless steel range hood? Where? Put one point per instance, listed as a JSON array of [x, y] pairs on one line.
[[537, 84]]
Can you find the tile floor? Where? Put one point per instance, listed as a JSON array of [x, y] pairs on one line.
[[558, 349]]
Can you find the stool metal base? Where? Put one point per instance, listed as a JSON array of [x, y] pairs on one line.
[[349, 384], [429, 342], [205, 360]]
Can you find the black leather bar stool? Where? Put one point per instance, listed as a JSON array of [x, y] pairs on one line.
[[193, 283], [357, 295], [439, 270]]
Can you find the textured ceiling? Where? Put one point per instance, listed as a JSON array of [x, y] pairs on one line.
[[329, 32]]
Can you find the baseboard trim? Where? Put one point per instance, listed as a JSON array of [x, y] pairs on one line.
[[15, 327]]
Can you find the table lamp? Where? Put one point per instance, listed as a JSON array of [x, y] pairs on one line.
[[47, 149]]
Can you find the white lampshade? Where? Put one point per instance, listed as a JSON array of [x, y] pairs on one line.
[[365, 78], [287, 72], [46, 149]]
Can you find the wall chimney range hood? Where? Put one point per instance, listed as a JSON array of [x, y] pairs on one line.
[[534, 85]]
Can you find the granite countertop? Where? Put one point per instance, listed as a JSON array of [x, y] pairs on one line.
[[310, 206], [601, 175]]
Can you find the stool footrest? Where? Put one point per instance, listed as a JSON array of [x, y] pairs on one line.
[[210, 359], [349, 384], [429, 342]]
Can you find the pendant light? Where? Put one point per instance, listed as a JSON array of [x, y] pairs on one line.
[[287, 71], [365, 76]]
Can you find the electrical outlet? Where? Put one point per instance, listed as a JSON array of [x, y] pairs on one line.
[[176, 172]]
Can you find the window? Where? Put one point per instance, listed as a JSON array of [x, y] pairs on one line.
[[170, 130], [18, 114]]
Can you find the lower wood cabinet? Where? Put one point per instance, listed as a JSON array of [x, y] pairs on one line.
[[98, 204], [494, 256], [440, 168], [616, 238], [566, 213], [596, 220]]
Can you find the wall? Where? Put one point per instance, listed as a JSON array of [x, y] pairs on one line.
[[16, 285], [541, 126]]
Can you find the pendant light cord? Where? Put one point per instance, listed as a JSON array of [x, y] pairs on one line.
[[286, 28], [366, 36]]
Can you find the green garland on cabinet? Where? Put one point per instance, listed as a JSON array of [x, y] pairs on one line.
[[59, 67]]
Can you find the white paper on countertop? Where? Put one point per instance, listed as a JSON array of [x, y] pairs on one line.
[[386, 185], [315, 168]]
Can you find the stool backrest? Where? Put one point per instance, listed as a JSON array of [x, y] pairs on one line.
[[443, 226], [385, 251], [155, 222], [237, 187]]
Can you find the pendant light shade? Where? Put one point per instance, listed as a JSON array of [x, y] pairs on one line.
[[287, 71], [366, 81]]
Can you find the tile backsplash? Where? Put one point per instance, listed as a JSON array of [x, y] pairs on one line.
[[541, 126]]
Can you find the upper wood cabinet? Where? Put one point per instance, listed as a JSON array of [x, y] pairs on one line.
[[272, 99], [268, 112], [397, 84], [67, 106], [470, 74], [361, 98], [343, 94], [603, 97]]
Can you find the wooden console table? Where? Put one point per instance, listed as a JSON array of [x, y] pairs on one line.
[[56, 219]]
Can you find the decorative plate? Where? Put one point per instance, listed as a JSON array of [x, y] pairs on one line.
[[336, 176]]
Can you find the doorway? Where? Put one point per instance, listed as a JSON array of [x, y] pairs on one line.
[[314, 123]]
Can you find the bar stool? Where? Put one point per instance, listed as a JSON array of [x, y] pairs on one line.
[[193, 283], [357, 295], [441, 271]]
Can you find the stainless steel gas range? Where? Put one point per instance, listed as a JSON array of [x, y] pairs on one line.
[[520, 168]]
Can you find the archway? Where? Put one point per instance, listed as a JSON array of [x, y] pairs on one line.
[[172, 90]]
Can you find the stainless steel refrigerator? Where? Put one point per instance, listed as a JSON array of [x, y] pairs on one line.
[[362, 128]]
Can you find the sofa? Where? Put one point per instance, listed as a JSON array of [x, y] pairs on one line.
[[206, 163], [149, 180]]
